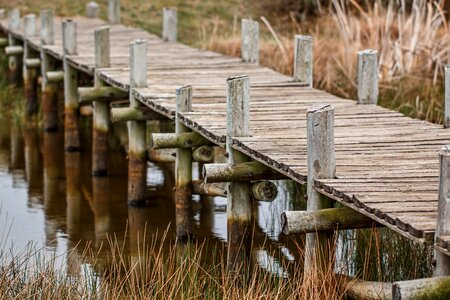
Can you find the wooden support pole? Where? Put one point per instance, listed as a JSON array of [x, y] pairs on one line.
[[321, 165], [303, 59], [250, 41], [329, 219], [177, 140], [101, 109], [239, 204], [114, 12], [137, 150], [183, 169], [49, 90], [420, 289], [14, 61], [199, 187], [367, 77], [102, 93], [92, 9], [162, 155], [170, 23], [239, 172], [204, 154], [447, 97], [2, 13], [142, 113], [71, 126], [443, 220], [29, 74], [361, 289]]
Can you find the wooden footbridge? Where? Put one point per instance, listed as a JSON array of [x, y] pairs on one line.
[[380, 164]]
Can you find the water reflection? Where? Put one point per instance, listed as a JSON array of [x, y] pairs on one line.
[[73, 213]]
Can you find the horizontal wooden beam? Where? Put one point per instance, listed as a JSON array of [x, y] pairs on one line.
[[14, 50], [204, 154], [33, 63], [265, 191], [180, 140], [425, 288], [356, 288], [142, 113], [246, 171], [104, 93], [55, 76], [209, 189], [3, 42], [162, 155], [294, 222]]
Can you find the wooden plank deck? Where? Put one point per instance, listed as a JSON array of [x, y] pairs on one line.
[[387, 164]]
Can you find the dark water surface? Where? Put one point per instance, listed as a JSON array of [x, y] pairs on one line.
[[49, 199]]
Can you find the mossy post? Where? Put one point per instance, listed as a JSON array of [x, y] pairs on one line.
[[321, 165], [239, 204], [367, 77], [114, 12], [170, 23], [49, 90], [183, 169], [71, 137], [137, 149], [303, 59], [14, 61], [29, 74], [443, 220], [92, 9], [101, 109], [250, 41]]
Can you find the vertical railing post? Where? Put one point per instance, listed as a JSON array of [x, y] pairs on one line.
[[71, 137], [250, 41], [443, 211], [239, 206], [101, 109], [321, 165], [447, 97], [14, 61], [183, 169], [92, 9], [137, 150], [303, 59], [29, 74], [49, 92], [114, 12], [367, 77], [170, 23]]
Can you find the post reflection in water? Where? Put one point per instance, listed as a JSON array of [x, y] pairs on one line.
[[83, 214]]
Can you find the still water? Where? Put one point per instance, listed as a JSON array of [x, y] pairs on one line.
[[49, 199]]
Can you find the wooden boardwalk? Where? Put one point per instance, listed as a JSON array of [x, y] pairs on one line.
[[387, 164]]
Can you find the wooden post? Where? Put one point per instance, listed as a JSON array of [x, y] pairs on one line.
[[239, 208], [101, 109], [92, 9], [137, 150], [447, 97], [114, 12], [15, 61], [443, 220], [321, 164], [303, 59], [250, 41], [183, 169], [367, 77], [170, 21], [71, 137], [49, 91], [29, 74]]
